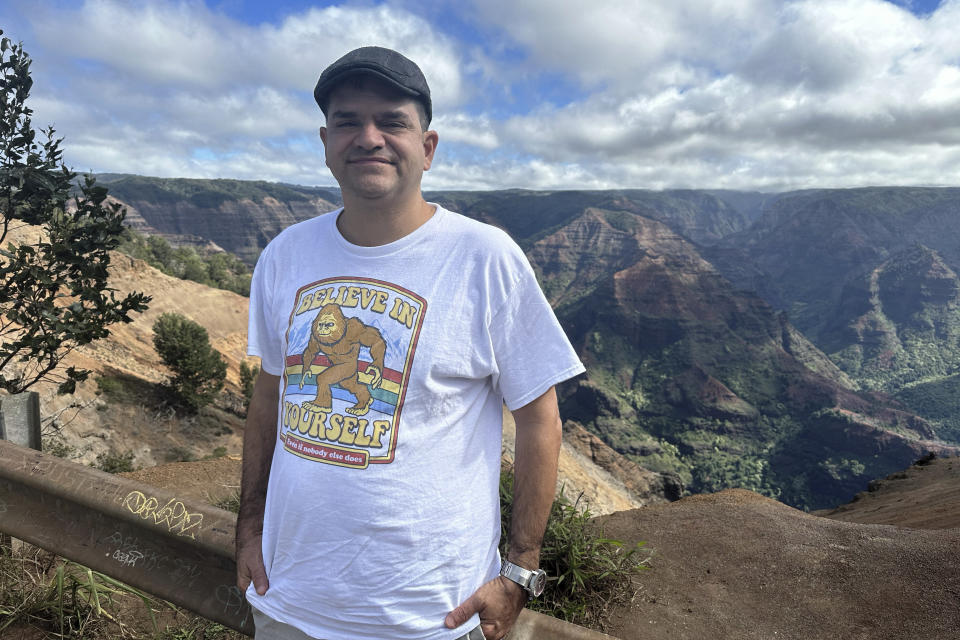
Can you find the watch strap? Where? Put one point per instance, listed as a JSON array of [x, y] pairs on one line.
[[526, 578]]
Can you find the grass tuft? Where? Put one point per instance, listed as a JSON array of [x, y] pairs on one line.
[[587, 573], [61, 599], [45, 597]]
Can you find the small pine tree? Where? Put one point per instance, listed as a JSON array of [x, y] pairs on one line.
[[54, 291], [199, 369]]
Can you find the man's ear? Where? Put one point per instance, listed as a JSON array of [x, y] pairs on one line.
[[430, 141], [323, 135]]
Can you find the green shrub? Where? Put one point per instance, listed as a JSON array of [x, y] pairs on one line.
[[120, 388], [115, 462], [179, 454], [56, 446], [199, 629], [199, 370], [108, 386], [586, 572], [219, 269], [248, 376], [117, 389]]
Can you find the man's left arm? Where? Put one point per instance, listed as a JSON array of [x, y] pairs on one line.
[[500, 601]]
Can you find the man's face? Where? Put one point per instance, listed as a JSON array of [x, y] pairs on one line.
[[375, 146]]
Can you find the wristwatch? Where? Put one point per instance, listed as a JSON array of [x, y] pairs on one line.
[[532, 582]]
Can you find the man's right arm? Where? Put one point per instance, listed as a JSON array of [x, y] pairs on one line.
[[259, 440]]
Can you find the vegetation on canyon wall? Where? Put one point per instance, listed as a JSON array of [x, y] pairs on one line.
[[683, 303], [219, 269], [53, 287]]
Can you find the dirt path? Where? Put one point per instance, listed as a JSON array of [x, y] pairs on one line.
[[735, 565], [206, 481]]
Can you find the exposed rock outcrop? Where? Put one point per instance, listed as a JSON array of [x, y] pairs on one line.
[[602, 479]]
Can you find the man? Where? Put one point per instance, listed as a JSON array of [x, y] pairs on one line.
[[391, 332]]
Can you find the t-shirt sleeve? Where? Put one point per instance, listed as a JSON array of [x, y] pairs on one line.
[[262, 338], [531, 349]]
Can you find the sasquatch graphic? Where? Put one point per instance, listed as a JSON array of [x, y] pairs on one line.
[[340, 339]]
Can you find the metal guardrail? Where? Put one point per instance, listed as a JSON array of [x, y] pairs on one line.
[[145, 536], [151, 539]]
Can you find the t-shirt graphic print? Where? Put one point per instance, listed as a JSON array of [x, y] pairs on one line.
[[351, 343]]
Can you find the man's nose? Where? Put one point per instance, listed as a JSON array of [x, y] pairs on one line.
[[369, 136]]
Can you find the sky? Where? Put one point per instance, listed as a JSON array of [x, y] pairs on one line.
[[765, 95]]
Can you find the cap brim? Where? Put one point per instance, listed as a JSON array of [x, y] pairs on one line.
[[322, 91]]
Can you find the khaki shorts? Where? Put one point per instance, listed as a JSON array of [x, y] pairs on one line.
[[270, 629]]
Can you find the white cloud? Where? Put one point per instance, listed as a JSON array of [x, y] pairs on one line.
[[611, 42], [182, 44], [141, 87], [465, 129], [828, 45], [304, 44], [845, 91], [188, 46], [746, 94]]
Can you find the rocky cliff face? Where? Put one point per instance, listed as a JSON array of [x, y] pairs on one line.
[[595, 476], [702, 216], [900, 321], [693, 309], [241, 217], [686, 372], [243, 227], [807, 249]]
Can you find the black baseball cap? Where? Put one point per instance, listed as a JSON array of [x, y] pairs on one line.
[[388, 65]]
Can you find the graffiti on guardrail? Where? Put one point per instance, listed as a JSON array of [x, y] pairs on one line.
[[143, 535], [63, 476], [127, 558], [131, 551], [233, 602], [173, 514]]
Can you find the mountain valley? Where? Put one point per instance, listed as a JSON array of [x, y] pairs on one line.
[[795, 344]]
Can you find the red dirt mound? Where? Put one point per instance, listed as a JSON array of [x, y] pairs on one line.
[[736, 565]]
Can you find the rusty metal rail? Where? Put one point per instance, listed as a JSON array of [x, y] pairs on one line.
[[149, 538], [142, 535]]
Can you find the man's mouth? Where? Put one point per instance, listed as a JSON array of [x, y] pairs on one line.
[[368, 160]]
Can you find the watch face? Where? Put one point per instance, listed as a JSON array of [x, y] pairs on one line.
[[538, 583]]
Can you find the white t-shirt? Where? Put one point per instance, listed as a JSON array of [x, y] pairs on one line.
[[382, 510]]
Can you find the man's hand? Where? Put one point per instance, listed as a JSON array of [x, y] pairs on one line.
[[498, 602], [250, 565]]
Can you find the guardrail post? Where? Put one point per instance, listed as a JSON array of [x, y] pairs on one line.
[[19, 424], [20, 419]]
